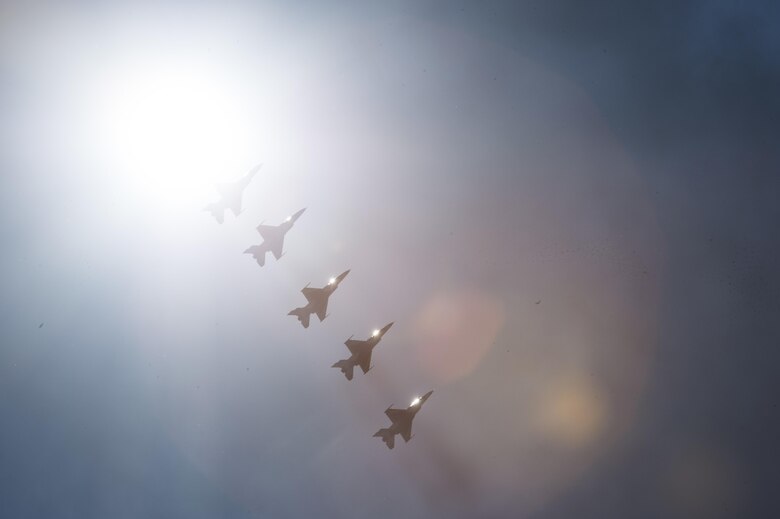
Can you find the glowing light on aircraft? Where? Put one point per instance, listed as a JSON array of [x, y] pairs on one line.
[[416, 401], [375, 333], [288, 219], [331, 281]]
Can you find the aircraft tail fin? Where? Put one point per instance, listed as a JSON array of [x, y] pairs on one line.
[[387, 437], [258, 253], [346, 367], [217, 210], [302, 314]]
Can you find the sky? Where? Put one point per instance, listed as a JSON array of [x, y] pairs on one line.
[[567, 210]]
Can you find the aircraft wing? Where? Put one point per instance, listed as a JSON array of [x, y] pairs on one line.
[[312, 295], [403, 419], [365, 362], [405, 430], [274, 240], [276, 250], [225, 189], [251, 173], [268, 232], [354, 346], [235, 205], [396, 415], [322, 312], [318, 300]]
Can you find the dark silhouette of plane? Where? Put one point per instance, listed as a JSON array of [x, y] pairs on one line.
[[230, 196], [273, 239], [317, 300], [361, 353], [402, 421]]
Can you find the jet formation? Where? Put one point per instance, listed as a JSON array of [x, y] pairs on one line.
[[402, 421], [230, 196], [361, 353], [273, 239], [317, 300]]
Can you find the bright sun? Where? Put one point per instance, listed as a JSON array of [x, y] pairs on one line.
[[172, 126]]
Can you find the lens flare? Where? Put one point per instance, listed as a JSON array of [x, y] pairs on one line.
[[454, 330]]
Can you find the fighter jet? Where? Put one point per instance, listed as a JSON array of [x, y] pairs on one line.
[[402, 421], [230, 196], [361, 353], [317, 300], [273, 239]]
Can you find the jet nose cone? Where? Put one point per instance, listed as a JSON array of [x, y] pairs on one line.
[[387, 327], [342, 276], [425, 397], [298, 214]]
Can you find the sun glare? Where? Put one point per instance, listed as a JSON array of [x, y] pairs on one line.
[[171, 125]]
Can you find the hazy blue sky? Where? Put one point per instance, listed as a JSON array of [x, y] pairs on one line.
[[569, 211]]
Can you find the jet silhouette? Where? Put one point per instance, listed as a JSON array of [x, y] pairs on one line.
[[230, 196], [402, 421], [273, 239], [361, 353], [317, 300]]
